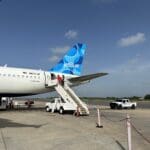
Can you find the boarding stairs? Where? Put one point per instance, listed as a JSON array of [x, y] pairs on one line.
[[69, 95]]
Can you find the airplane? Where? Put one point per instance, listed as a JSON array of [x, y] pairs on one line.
[[16, 82]]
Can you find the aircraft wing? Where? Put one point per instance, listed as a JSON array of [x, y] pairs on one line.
[[86, 78]]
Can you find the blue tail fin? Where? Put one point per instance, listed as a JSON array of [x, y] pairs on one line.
[[72, 61]]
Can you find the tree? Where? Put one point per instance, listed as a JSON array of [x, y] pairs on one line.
[[147, 96]]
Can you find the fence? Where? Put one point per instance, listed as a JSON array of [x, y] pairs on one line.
[[129, 125]]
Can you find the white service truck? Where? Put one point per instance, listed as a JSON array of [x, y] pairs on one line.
[[59, 105], [123, 103]]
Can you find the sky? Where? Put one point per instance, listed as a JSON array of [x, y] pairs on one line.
[[37, 33]]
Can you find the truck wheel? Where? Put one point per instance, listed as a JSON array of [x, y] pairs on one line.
[[120, 107], [115, 106], [47, 109], [133, 107], [61, 110], [112, 106]]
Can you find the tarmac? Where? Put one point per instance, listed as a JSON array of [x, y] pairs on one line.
[[29, 129]]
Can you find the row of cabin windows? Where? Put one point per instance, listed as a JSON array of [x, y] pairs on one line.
[[20, 76]]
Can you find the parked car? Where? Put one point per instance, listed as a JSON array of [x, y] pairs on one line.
[[123, 103]]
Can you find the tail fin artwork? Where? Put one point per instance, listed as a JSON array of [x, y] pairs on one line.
[[71, 63]]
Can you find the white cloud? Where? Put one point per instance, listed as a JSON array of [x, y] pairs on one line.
[[127, 79], [53, 58], [60, 50], [71, 34], [57, 52], [135, 65], [132, 40]]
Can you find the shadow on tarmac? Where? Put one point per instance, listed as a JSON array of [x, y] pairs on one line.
[[8, 123], [120, 145]]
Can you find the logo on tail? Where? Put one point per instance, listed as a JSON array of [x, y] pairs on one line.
[[72, 61]]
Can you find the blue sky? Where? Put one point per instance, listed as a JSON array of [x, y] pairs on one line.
[[36, 34]]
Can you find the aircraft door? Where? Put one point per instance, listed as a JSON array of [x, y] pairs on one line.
[[47, 78], [50, 79]]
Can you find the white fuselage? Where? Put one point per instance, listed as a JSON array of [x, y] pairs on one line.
[[21, 82]]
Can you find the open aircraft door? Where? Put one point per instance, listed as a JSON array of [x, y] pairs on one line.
[[50, 79]]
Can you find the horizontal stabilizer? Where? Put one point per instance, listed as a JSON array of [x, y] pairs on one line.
[[86, 77]]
